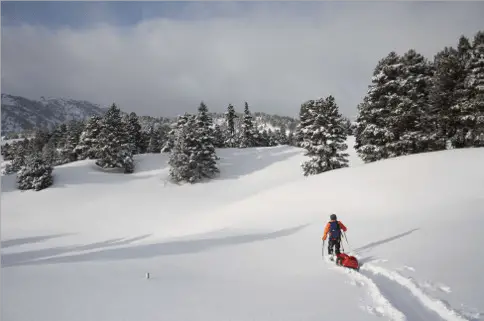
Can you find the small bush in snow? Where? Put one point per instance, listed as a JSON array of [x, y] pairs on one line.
[[35, 174]]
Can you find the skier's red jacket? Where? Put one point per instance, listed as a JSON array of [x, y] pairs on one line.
[[326, 229]]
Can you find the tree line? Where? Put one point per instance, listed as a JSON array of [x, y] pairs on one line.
[[413, 105], [113, 139]]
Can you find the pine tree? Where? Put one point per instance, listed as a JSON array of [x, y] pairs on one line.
[[19, 153], [218, 137], [248, 134], [115, 150], [206, 155], [376, 122], [35, 174], [282, 137], [474, 107], [448, 77], [326, 137], [291, 141], [58, 135], [230, 117], [88, 147], [134, 133], [70, 142], [462, 93], [265, 139], [410, 119], [169, 139], [41, 137], [182, 164], [50, 154], [154, 143], [304, 122], [7, 152]]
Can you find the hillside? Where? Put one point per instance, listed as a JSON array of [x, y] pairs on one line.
[[20, 114], [247, 245]]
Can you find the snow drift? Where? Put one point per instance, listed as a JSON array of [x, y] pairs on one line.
[[247, 246]]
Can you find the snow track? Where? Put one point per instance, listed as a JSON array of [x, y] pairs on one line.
[[383, 306], [397, 297], [416, 304]]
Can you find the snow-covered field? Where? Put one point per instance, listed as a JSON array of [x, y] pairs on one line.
[[247, 246]]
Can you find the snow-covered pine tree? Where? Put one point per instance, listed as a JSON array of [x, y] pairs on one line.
[[88, 147], [181, 162], [326, 138], [35, 174], [6, 151], [410, 119], [71, 140], [50, 154], [348, 127], [58, 135], [135, 138], [114, 149], [462, 96], [291, 141], [448, 77], [154, 143], [304, 122], [19, 152], [206, 156], [230, 116], [169, 138], [41, 137], [218, 136], [248, 134], [375, 124], [474, 107]]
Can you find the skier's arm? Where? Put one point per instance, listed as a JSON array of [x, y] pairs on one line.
[[343, 227], [326, 230]]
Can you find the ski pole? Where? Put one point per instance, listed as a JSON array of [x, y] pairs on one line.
[[349, 246], [322, 250]]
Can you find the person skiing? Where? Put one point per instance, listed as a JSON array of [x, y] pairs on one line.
[[333, 228]]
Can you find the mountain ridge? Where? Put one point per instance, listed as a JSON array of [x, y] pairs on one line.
[[20, 115]]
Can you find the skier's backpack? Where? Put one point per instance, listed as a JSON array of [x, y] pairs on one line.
[[334, 230]]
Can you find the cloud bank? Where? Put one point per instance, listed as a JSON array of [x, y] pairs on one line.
[[273, 56]]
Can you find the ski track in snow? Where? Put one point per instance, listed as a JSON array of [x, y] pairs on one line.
[[405, 295], [383, 306], [397, 297]]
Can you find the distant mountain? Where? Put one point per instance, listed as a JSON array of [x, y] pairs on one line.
[[20, 114]]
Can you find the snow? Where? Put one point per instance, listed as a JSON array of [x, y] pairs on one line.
[[8, 100], [247, 245]]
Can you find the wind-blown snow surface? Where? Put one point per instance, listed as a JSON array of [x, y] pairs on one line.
[[247, 246]]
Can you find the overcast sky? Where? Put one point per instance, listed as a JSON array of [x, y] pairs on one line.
[[162, 59]]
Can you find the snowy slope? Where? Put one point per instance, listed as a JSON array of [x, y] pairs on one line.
[[20, 114], [247, 246]]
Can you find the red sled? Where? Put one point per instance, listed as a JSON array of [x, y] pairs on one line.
[[348, 261]]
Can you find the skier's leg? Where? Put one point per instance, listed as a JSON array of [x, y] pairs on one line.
[[337, 245], [330, 246]]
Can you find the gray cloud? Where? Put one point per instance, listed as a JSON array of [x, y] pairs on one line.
[[273, 58]]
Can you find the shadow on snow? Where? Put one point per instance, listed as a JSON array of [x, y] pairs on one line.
[[26, 257], [380, 242], [29, 240], [139, 251]]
